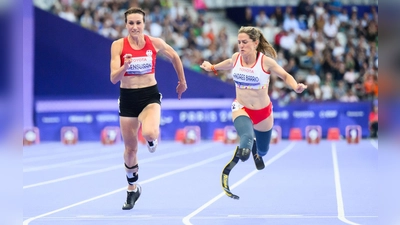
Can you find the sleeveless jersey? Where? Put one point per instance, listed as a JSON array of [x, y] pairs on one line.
[[250, 78], [143, 60]]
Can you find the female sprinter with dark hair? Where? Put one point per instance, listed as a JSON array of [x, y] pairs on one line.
[[133, 61]]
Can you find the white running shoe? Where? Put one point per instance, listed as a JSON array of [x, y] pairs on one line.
[[152, 145]]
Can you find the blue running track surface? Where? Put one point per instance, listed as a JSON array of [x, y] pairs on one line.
[[329, 183]]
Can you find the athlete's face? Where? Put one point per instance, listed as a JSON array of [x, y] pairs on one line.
[[135, 24], [245, 44]]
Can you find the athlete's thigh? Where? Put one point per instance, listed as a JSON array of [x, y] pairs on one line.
[[266, 124], [150, 116], [238, 112], [129, 129]]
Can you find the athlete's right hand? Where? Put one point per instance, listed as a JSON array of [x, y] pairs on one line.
[[127, 60], [206, 65], [180, 89]]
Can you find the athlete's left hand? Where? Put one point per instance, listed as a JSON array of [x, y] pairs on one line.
[[300, 88], [180, 89]]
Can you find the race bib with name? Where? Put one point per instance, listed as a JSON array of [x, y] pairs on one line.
[[140, 65]]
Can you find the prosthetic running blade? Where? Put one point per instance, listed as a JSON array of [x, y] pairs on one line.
[[225, 176]]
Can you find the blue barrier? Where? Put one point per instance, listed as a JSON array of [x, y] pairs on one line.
[[90, 117]]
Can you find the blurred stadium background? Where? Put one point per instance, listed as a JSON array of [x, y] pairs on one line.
[[330, 45]]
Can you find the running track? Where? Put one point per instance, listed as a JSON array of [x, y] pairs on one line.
[[326, 184]]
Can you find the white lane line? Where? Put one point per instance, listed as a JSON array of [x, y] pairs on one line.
[[374, 143], [172, 217], [290, 216], [79, 161], [42, 149], [73, 162], [74, 176], [338, 186], [83, 152], [186, 219], [119, 166], [220, 156], [73, 152], [48, 152]]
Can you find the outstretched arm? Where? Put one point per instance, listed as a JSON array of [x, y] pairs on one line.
[[224, 65], [171, 54], [275, 68]]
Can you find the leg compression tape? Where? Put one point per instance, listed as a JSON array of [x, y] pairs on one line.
[[263, 139], [132, 176], [244, 128]]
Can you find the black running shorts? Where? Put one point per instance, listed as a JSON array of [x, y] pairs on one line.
[[132, 101]]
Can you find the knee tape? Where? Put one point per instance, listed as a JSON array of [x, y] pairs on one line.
[[244, 128], [132, 176], [263, 139]]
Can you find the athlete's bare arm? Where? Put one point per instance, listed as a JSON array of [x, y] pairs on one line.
[[118, 71], [165, 49], [171, 54], [224, 65], [276, 69]]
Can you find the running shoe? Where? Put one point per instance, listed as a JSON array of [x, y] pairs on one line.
[[152, 145], [132, 197]]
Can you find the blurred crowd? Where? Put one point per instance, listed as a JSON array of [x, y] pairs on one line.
[[323, 44]]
